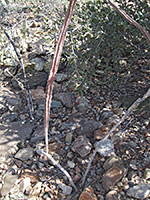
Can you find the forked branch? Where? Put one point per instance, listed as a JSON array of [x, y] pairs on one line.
[[131, 108]]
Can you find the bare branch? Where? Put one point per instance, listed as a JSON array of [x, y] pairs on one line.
[[40, 152], [54, 69], [29, 96], [131, 108], [130, 20]]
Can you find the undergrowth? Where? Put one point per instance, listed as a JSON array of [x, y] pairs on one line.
[[103, 44]]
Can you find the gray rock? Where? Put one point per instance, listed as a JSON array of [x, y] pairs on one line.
[[9, 181], [82, 146], [141, 191], [89, 126], [147, 173], [65, 188], [38, 135], [34, 80], [83, 105], [3, 108], [24, 154], [54, 104], [11, 134], [60, 77], [9, 117], [68, 138], [57, 87], [70, 164], [10, 62], [106, 113], [105, 147], [38, 64], [132, 144], [67, 126], [12, 101], [114, 119], [66, 98]]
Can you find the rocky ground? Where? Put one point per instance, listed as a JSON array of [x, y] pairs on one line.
[[76, 124]]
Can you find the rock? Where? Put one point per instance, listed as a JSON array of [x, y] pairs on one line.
[[38, 94], [76, 178], [38, 79], [56, 104], [11, 134], [9, 181], [10, 62], [147, 173], [38, 135], [9, 117], [15, 194], [112, 176], [65, 188], [106, 113], [112, 160], [47, 65], [88, 194], [24, 184], [132, 144], [89, 126], [106, 147], [34, 80], [100, 133], [112, 195], [141, 191], [67, 126], [54, 147], [24, 154], [12, 101], [31, 174], [70, 164], [113, 120], [83, 105], [36, 189], [10, 71], [82, 146], [70, 154], [3, 108], [60, 77], [66, 99], [57, 87], [38, 63], [68, 138]]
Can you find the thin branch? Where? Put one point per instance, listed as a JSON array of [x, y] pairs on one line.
[[130, 20], [29, 96], [131, 108], [54, 69], [40, 152]]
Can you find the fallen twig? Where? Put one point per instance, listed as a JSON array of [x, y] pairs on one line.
[[29, 96], [131, 108], [54, 69], [40, 152], [130, 20]]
